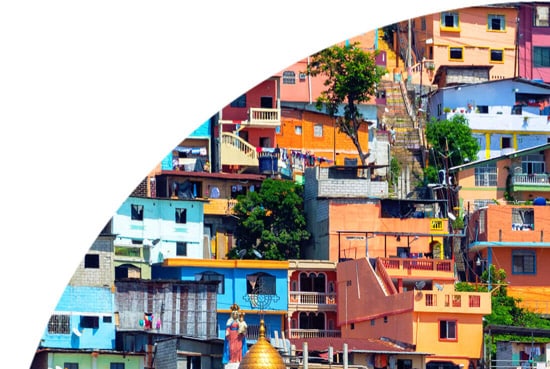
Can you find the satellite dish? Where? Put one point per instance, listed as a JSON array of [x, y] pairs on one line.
[[76, 332], [420, 285], [451, 216], [257, 253], [439, 287], [241, 253]]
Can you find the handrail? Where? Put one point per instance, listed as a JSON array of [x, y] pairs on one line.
[[240, 144]]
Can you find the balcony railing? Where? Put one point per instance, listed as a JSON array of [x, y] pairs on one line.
[[530, 179], [312, 298], [314, 333], [264, 117], [477, 303], [435, 265]]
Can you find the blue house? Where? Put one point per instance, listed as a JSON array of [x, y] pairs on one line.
[[504, 115], [83, 319], [258, 287]]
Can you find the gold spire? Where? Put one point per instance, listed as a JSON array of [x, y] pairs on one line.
[[262, 355]]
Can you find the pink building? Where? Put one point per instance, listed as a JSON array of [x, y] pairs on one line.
[[534, 31]]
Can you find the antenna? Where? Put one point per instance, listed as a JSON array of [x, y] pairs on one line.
[[257, 253]]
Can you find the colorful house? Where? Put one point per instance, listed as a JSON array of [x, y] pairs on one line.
[[411, 302], [312, 300], [512, 238], [516, 177], [534, 28], [155, 228], [504, 115], [468, 45], [350, 217], [258, 287]]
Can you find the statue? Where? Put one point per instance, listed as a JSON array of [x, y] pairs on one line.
[[234, 346]]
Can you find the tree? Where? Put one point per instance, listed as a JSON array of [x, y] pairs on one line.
[[271, 221], [351, 79], [451, 143]]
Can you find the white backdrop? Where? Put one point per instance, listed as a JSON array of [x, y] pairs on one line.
[[94, 94]]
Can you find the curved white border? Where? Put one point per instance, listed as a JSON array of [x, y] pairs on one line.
[[95, 93]]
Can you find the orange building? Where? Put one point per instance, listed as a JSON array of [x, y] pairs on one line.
[[315, 133], [463, 45], [513, 238], [412, 301]]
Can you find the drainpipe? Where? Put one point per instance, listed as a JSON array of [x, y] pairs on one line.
[[309, 83]]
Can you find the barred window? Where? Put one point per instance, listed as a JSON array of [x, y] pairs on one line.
[[59, 324], [289, 77], [486, 175], [541, 16], [523, 262]]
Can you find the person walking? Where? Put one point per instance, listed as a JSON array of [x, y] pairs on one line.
[[393, 133]]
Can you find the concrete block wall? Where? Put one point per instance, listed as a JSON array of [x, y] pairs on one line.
[[99, 277]]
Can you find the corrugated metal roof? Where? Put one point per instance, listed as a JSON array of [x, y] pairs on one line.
[[370, 345]]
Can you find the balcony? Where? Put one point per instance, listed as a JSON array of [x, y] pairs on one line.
[[263, 118], [456, 302], [418, 268], [530, 182], [307, 301], [314, 333], [219, 206]]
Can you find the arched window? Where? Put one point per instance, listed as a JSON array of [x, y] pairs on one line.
[[313, 282]]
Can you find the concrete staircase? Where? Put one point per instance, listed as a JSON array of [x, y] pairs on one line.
[[408, 148]]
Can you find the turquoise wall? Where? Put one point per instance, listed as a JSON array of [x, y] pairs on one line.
[[78, 302]]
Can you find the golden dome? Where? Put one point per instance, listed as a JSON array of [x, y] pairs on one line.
[[262, 355]]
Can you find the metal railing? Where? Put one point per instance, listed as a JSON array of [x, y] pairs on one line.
[[535, 179], [314, 333], [312, 298]]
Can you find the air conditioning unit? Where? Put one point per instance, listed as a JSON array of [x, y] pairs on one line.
[[302, 76]]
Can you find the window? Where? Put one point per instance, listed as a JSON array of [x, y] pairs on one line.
[[505, 142], [91, 261], [496, 22], [289, 77], [423, 24], [181, 215], [89, 321], [449, 21], [181, 248], [483, 109], [523, 219], [261, 284], [404, 364], [298, 130], [70, 365], [116, 366], [127, 251], [497, 55], [481, 203], [541, 16], [318, 130], [266, 102], [455, 53], [212, 276], [137, 212], [59, 324], [447, 330], [541, 56], [523, 262], [239, 102], [533, 164], [107, 319], [237, 190], [486, 175]]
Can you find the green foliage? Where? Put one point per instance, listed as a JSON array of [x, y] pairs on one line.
[[452, 138], [395, 169], [271, 221], [351, 79]]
